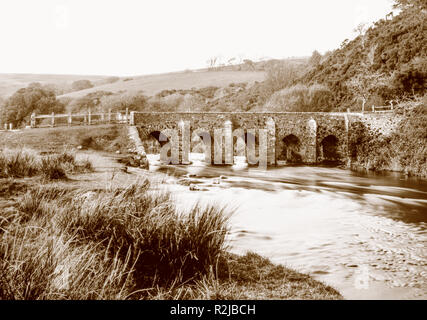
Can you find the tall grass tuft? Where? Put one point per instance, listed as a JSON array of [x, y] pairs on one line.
[[112, 243], [27, 163]]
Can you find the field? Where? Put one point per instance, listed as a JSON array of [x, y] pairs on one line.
[[151, 84], [96, 231]]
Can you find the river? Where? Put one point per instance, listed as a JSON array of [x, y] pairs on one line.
[[362, 233]]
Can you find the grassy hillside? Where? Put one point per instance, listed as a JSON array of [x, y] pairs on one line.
[[152, 84], [392, 52], [10, 83]]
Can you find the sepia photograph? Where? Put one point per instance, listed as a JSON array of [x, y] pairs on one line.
[[214, 155]]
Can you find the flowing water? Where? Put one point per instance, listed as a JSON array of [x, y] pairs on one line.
[[364, 234]]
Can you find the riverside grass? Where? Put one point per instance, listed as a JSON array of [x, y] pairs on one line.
[[63, 241], [17, 163], [114, 243]]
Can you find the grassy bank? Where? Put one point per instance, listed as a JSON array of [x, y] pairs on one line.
[[404, 150], [98, 137], [62, 241]]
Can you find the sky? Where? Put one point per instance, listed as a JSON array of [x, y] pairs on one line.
[[136, 37]]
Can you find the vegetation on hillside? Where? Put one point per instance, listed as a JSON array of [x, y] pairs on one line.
[[404, 150], [392, 51]]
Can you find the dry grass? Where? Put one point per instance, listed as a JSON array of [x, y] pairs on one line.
[[27, 163]]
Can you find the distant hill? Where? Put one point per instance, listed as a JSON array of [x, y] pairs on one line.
[[152, 84], [395, 48], [10, 83]]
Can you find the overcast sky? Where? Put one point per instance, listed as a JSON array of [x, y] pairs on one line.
[[130, 37]]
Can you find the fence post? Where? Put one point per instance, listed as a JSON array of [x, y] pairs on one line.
[[70, 119], [127, 115], [53, 119], [89, 117], [109, 115], [10, 126], [348, 110], [5, 126], [132, 118], [33, 120]]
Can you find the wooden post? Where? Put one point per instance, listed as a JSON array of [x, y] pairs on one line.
[[373, 108], [109, 115], [53, 119], [70, 119], [89, 117], [348, 110], [10, 126], [127, 115], [33, 120], [5, 126], [132, 118]]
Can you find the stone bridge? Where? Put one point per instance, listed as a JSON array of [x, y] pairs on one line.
[[286, 137]]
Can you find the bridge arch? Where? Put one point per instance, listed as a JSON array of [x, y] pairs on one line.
[[329, 149], [201, 142], [291, 149], [154, 141], [239, 143]]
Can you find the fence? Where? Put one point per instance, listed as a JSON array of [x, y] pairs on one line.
[[75, 119], [382, 108]]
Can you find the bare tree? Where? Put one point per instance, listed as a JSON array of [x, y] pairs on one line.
[[212, 62], [315, 58], [364, 84], [231, 61], [360, 31]]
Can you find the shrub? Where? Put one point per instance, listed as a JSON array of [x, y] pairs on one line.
[[36, 98], [81, 85], [404, 150], [162, 243], [280, 75], [301, 98]]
